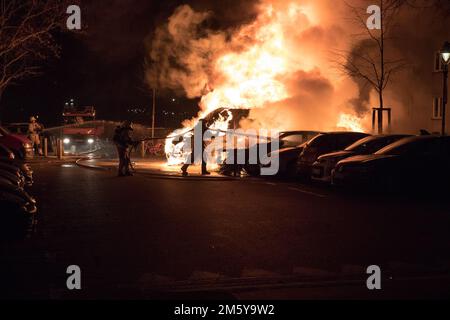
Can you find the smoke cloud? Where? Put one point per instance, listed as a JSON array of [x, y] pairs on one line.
[[279, 61]]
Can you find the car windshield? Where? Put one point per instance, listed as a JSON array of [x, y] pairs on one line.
[[292, 140], [318, 139], [403, 146], [372, 144], [362, 144]]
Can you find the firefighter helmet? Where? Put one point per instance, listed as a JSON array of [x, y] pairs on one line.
[[127, 124]]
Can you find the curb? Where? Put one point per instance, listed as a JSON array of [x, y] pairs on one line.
[[92, 167]]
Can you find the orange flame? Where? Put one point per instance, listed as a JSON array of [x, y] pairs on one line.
[[252, 71], [350, 122]]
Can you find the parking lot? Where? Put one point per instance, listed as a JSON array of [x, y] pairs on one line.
[[339, 203], [143, 236]]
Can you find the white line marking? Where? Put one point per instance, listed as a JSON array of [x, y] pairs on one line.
[[308, 192]]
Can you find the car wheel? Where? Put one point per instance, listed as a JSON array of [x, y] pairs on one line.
[[253, 170]]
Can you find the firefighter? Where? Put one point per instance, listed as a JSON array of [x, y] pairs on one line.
[[193, 156], [123, 142], [34, 130]]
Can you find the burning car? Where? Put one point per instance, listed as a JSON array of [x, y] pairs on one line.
[[217, 122]]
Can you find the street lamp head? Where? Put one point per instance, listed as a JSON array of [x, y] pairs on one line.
[[445, 52]]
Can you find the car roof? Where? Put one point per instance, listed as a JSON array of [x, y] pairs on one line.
[[299, 132], [409, 140], [16, 124], [343, 133], [340, 133], [385, 136]]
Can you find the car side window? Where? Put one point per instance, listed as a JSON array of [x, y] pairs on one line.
[[419, 148], [292, 140], [378, 144]]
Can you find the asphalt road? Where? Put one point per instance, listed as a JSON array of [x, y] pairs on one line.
[[139, 236]]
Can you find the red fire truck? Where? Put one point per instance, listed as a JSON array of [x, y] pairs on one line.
[[81, 132]]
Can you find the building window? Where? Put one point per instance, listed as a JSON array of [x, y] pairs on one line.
[[437, 108], [438, 63]]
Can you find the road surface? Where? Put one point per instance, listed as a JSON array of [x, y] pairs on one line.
[[139, 236]]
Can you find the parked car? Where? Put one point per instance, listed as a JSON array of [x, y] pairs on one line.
[[15, 178], [20, 129], [22, 170], [17, 207], [322, 144], [288, 140], [291, 145], [293, 139], [420, 161], [21, 146], [321, 170], [7, 162], [6, 154]]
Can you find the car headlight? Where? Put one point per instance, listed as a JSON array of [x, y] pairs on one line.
[[66, 141], [90, 141], [320, 161]]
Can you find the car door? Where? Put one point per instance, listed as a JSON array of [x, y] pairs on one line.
[[422, 162]]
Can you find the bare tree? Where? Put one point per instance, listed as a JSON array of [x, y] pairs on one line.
[[27, 29], [368, 60]]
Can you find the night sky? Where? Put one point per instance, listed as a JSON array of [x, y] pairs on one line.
[[103, 65]]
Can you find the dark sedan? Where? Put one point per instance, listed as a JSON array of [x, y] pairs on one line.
[[321, 170], [322, 144], [288, 150], [409, 162], [291, 145]]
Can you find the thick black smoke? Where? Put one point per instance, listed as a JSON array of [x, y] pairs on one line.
[[181, 49]]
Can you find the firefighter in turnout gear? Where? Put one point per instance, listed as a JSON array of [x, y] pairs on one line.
[[197, 156], [34, 130], [122, 140]]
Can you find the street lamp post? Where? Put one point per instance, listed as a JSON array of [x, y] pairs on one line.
[[445, 55], [153, 112]]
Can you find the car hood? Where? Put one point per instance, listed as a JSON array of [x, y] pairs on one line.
[[337, 154], [365, 158], [21, 138]]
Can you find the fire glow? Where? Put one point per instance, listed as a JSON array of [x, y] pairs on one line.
[[255, 68]]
